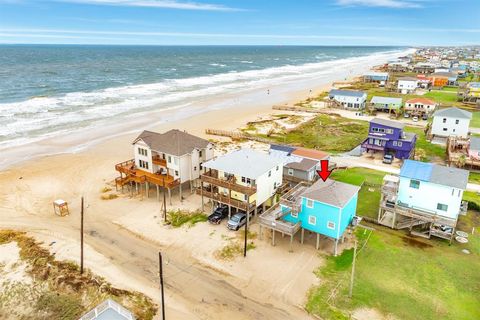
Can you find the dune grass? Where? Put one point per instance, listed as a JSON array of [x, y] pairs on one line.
[[178, 218], [406, 277]]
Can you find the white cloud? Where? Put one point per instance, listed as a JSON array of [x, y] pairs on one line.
[[399, 4], [168, 4]]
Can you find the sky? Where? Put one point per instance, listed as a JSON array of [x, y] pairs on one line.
[[241, 22]]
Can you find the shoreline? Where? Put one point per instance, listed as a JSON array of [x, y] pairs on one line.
[[256, 100]]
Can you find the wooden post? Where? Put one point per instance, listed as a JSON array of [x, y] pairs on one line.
[[291, 242], [318, 241], [147, 188], [245, 241], [201, 195], [164, 202], [353, 269], [160, 263], [158, 193], [302, 235], [335, 248], [81, 237], [273, 237], [180, 191]]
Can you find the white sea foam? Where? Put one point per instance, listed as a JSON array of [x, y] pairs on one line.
[[36, 118]]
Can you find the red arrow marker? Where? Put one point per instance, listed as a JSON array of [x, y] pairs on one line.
[[324, 173]]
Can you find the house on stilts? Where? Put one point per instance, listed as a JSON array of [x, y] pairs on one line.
[[169, 160]]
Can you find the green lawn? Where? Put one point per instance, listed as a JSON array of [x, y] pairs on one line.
[[443, 97], [369, 195], [330, 133], [406, 277], [427, 150], [474, 177], [475, 122]]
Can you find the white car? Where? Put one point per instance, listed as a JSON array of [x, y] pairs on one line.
[[415, 119]]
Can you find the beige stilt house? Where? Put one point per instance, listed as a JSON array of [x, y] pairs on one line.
[[166, 160], [243, 180]]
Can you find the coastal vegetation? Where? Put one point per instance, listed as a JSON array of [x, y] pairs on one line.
[[178, 218], [45, 288], [402, 276]]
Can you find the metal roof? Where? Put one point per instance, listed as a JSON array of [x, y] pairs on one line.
[[303, 165], [446, 176], [347, 93], [244, 162], [331, 192], [388, 123], [281, 147], [386, 100], [453, 112]]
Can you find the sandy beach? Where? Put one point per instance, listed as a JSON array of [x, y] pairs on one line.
[[124, 235]]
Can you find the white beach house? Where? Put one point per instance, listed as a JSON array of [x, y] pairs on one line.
[[407, 85], [349, 99], [451, 122], [243, 179]]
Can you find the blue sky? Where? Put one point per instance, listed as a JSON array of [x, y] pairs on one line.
[[228, 22]]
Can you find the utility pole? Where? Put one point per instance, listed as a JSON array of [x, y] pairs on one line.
[[81, 237], [245, 242], [353, 269], [160, 262], [164, 202]]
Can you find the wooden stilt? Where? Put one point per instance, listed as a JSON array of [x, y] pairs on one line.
[[170, 195], [147, 189], [158, 193], [302, 235], [291, 243], [229, 211], [273, 237], [180, 191], [335, 249], [201, 195], [318, 241]]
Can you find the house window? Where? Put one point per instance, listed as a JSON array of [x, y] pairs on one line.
[[169, 159], [176, 172], [200, 153], [399, 143], [195, 168], [243, 179], [331, 225], [278, 168], [290, 172], [294, 214], [394, 143], [248, 181], [312, 220], [444, 120], [389, 131], [441, 206], [457, 121], [201, 166], [415, 184], [269, 173], [245, 197], [445, 129], [309, 203]]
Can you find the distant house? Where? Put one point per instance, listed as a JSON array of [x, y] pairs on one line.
[[474, 148], [380, 77], [299, 164], [243, 179], [423, 67], [441, 79], [325, 208], [386, 104], [424, 82], [420, 106], [407, 85], [451, 122], [108, 310], [400, 66], [389, 137], [349, 99], [424, 194], [473, 89]]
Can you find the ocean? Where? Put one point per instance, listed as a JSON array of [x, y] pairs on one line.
[[52, 90]]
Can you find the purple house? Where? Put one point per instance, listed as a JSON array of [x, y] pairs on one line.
[[388, 136]]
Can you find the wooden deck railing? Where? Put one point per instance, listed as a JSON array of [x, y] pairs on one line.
[[419, 214], [272, 219], [212, 179], [242, 205], [132, 174], [159, 161]]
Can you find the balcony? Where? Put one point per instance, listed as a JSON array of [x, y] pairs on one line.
[[159, 161], [133, 174], [272, 219], [292, 198], [212, 178], [225, 199]]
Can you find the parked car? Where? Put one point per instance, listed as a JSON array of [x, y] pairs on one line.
[[218, 215], [388, 158], [406, 115], [415, 119], [237, 221], [424, 117]]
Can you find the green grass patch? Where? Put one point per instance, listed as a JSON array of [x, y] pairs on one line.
[[474, 177], [178, 218], [425, 150], [443, 97], [475, 122], [330, 133], [406, 277]]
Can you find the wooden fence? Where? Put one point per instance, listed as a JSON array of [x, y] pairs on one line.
[[235, 135]]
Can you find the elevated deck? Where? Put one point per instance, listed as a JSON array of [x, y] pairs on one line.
[[133, 174], [212, 178], [225, 199], [272, 219]]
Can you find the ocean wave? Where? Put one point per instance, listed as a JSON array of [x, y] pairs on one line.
[[29, 120]]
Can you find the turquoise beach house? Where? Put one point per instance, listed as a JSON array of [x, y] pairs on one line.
[[325, 208]]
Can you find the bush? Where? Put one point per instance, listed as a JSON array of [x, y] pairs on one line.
[[177, 218]]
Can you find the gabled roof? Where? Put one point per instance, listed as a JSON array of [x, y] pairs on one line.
[[331, 192], [445, 176], [174, 142], [421, 100], [244, 162], [386, 100], [310, 153], [453, 112], [303, 165], [347, 93], [388, 123]]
